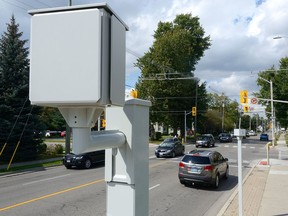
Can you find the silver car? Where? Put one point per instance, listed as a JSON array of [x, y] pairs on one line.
[[203, 166], [205, 140]]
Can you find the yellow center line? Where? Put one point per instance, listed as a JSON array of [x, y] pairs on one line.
[[50, 195], [64, 191]]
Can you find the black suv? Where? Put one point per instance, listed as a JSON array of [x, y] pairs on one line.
[[203, 166]]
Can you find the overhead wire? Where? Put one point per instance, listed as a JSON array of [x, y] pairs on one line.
[[13, 126], [28, 117], [10, 3], [28, 5]]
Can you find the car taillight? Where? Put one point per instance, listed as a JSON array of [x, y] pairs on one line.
[[181, 165], [208, 168]]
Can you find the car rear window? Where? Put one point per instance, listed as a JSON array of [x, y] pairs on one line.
[[196, 159]]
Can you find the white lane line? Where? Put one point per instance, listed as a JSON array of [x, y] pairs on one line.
[[155, 186], [47, 179]]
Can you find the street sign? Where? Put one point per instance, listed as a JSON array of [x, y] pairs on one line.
[[254, 101]]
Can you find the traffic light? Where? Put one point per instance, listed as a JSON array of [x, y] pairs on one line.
[[246, 109], [194, 111], [103, 123], [244, 96], [134, 93]]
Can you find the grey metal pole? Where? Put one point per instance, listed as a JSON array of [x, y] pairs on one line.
[[68, 129], [185, 131], [272, 115], [223, 117], [196, 101]]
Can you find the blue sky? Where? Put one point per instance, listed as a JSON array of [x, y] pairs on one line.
[[241, 31]]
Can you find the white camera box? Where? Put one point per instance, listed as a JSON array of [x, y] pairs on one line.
[[77, 57]]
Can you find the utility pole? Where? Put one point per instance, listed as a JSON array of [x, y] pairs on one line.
[[68, 129]]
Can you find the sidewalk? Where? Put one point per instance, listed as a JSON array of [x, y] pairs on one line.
[[265, 188]]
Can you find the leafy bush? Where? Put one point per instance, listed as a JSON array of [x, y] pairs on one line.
[[59, 149], [54, 149]]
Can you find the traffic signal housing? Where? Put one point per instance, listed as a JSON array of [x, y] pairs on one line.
[[246, 109], [134, 93], [103, 123], [244, 96], [194, 111]]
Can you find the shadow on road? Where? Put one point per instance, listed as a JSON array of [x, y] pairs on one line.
[[225, 185]]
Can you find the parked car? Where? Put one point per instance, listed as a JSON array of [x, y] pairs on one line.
[[203, 167], [264, 137], [85, 160], [225, 137], [205, 140], [252, 133], [170, 147]]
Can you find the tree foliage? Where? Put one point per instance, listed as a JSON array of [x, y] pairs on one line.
[[224, 111], [279, 79], [53, 119], [177, 48], [17, 118]]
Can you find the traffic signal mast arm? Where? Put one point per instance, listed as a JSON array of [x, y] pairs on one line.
[[280, 101]]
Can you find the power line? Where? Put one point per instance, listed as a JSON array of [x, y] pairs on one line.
[[10, 3], [43, 3], [28, 5]]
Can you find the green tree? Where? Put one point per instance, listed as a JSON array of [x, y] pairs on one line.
[[15, 108], [177, 48], [279, 78], [224, 110], [53, 119]]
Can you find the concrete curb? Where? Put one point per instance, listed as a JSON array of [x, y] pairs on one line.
[[235, 192]]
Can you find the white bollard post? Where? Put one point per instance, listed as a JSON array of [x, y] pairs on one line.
[[126, 167]]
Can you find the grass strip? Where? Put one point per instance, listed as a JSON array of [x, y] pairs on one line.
[[31, 166]]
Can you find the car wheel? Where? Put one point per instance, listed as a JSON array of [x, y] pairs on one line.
[[216, 181], [183, 152], [173, 154], [68, 166], [226, 173], [182, 182], [87, 163]]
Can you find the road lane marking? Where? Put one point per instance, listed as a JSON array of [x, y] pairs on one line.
[[50, 195], [47, 179], [64, 191], [155, 186]]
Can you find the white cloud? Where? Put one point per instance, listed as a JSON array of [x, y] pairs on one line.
[[241, 31]]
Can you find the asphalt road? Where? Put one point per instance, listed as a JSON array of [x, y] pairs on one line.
[[58, 191]]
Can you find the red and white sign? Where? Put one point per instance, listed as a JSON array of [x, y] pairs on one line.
[[254, 101]]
